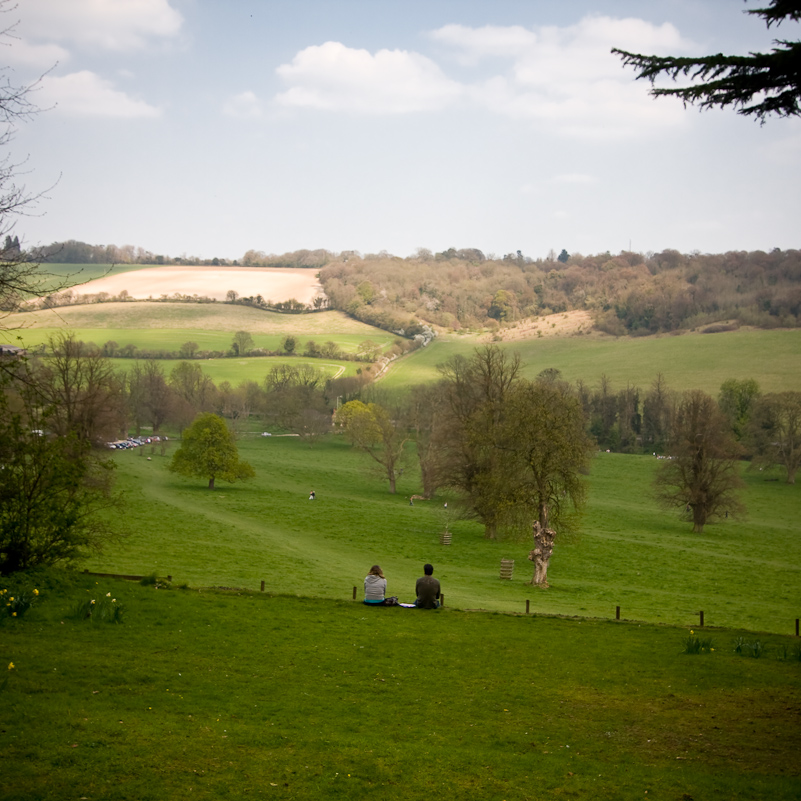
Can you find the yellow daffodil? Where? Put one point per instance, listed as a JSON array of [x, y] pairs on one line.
[[108, 595], [13, 614], [36, 592], [11, 666]]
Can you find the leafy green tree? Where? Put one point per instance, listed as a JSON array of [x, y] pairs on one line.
[[188, 350], [208, 450], [736, 401], [759, 84], [289, 343], [776, 431], [51, 487], [545, 449], [702, 474], [371, 429], [243, 342]]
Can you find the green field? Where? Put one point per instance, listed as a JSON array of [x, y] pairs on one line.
[[689, 361], [167, 326], [300, 692], [213, 695], [54, 275], [236, 370], [629, 553]]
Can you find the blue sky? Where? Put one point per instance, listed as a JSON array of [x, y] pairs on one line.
[[211, 127]]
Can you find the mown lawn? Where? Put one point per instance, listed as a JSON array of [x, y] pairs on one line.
[[234, 695], [628, 552]]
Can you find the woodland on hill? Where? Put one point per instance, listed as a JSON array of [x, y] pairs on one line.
[[628, 294]]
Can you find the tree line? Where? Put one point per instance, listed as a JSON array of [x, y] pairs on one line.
[[628, 293], [514, 451], [242, 344]]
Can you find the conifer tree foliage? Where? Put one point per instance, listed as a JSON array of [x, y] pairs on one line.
[[208, 450], [759, 84]]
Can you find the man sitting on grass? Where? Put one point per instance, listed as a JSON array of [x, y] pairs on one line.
[[427, 589]]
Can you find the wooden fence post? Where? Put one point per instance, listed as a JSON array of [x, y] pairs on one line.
[[262, 585], [617, 613], [354, 593], [527, 605], [442, 600], [702, 618], [796, 627]]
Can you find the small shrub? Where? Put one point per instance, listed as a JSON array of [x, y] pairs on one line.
[[696, 645], [103, 610], [792, 654], [148, 581], [17, 604], [754, 649]]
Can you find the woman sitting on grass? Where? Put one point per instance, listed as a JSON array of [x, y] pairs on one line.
[[375, 587]]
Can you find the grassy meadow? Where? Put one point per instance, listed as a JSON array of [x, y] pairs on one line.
[[212, 689], [629, 553], [688, 361], [212, 695], [168, 325]]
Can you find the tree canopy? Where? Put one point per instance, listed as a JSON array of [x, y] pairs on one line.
[[759, 84], [208, 450], [51, 486]]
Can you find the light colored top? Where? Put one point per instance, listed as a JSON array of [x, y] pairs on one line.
[[375, 588]]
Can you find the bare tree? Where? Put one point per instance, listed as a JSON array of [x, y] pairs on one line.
[[20, 275], [80, 386], [475, 392], [702, 474]]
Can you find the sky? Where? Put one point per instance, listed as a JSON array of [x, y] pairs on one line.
[[212, 127]]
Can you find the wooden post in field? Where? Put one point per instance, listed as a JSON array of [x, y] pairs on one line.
[[262, 585], [442, 600], [796, 627], [527, 605], [354, 593], [617, 613], [702, 618], [169, 578]]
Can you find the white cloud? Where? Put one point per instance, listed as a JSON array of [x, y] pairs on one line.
[[334, 77], [23, 53], [107, 24], [85, 94], [563, 78], [243, 106], [473, 44], [567, 77]]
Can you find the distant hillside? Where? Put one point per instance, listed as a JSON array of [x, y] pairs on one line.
[[625, 294]]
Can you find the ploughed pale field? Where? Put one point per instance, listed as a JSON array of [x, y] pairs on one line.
[[272, 284]]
